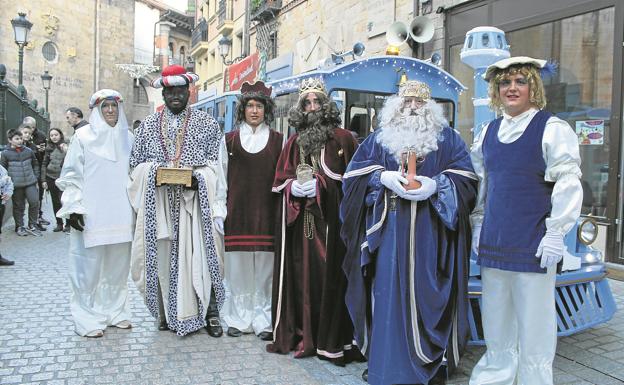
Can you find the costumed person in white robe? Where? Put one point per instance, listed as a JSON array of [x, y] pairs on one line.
[[408, 246], [253, 151], [530, 196], [178, 244], [95, 202]]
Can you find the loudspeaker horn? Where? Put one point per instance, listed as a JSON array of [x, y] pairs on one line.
[[397, 34], [435, 59], [358, 49], [421, 29]]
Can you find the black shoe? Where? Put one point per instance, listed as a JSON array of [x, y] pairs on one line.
[[365, 375], [162, 325], [266, 336], [234, 332], [40, 227], [66, 229], [43, 221], [5, 262], [214, 327], [58, 228]]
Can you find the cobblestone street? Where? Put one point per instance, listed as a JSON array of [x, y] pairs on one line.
[[38, 344]]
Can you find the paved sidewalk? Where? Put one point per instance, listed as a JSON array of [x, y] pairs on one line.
[[38, 345]]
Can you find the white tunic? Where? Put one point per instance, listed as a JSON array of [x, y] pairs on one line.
[[96, 187]]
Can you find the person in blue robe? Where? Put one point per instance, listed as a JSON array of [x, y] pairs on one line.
[[408, 250]]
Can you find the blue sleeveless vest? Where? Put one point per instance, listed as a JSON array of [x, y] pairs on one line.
[[518, 199]]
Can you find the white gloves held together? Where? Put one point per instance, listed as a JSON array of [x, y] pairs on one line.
[[306, 189], [393, 180]]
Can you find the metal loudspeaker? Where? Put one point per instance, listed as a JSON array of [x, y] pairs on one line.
[[358, 49], [435, 59], [421, 29], [397, 34]]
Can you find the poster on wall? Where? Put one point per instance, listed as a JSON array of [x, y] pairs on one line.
[[590, 132]]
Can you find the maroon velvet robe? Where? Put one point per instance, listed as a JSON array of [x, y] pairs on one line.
[[308, 307], [251, 206]]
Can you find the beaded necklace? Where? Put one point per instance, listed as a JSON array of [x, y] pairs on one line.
[[165, 141]]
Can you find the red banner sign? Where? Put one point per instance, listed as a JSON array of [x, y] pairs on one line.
[[238, 73]]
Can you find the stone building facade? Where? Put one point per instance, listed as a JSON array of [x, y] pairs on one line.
[[79, 46]]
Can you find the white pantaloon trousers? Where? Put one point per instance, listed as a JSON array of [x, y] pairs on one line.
[[520, 328], [249, 279], [99, 284]]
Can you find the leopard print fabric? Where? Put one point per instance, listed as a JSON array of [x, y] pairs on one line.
[[201, 146]]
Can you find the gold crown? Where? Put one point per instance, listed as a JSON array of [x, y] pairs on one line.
[[312, 85], [416, 89]]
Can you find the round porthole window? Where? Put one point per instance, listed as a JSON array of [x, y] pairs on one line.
[[50, 52]]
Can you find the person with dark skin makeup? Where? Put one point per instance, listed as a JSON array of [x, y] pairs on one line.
[[179, 227]]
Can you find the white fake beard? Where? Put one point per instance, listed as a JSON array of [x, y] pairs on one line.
[[419, 132]]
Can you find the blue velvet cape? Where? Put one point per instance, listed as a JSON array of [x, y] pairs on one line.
[[376, 231]]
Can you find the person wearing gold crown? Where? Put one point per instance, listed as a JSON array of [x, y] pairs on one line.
[[95, 170], [253, 150], [530, 158], [407, 249], [309, 313], [178, 191]]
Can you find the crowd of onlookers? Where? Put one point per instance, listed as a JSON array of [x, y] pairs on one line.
[[30, 163]]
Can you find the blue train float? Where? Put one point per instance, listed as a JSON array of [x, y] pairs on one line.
[[361, 86]]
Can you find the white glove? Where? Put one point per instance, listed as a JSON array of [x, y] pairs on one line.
[[550, 249], [476, 235], [393, 180], [428, 188], [310, 188], [218, 224], [297, 190]]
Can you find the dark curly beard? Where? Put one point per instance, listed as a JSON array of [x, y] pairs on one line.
[[313, 129]]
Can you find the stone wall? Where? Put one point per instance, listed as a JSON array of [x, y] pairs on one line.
[[72, 32]]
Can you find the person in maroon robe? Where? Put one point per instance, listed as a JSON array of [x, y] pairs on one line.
[[253, 150], [309, 312]]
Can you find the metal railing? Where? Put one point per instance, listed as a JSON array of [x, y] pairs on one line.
[[200, 33], [262, 10], [14, 108], [224, 12]]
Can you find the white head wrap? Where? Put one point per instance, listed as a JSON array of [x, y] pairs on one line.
[[102, 139]]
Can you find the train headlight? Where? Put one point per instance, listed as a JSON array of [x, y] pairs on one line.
[[588, 231]]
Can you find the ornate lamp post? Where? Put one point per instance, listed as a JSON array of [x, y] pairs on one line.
[[224, 50], [21, 28], [46, 79]]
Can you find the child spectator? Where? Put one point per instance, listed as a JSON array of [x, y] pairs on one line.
[[23, 168], [51, 170], [28, 140], [6, 190]]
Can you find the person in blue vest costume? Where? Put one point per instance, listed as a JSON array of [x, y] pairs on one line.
[[530, 196], [408, 250]]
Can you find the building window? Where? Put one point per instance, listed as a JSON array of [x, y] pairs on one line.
[[50, 52], [139, 94]]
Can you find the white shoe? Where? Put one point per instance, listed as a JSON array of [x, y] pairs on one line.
[[95, 334], [125, 324]]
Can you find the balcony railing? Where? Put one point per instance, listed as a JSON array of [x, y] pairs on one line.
[[263, 10], [224, 12], [200, 33]]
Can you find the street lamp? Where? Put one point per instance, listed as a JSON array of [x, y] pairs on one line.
[[224, 50], [21, 28], [46, 79]]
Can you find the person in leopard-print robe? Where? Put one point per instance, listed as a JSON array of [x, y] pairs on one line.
[[177, 246]]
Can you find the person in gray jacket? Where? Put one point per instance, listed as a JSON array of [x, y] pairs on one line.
[[51, 169], [23, 168]]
